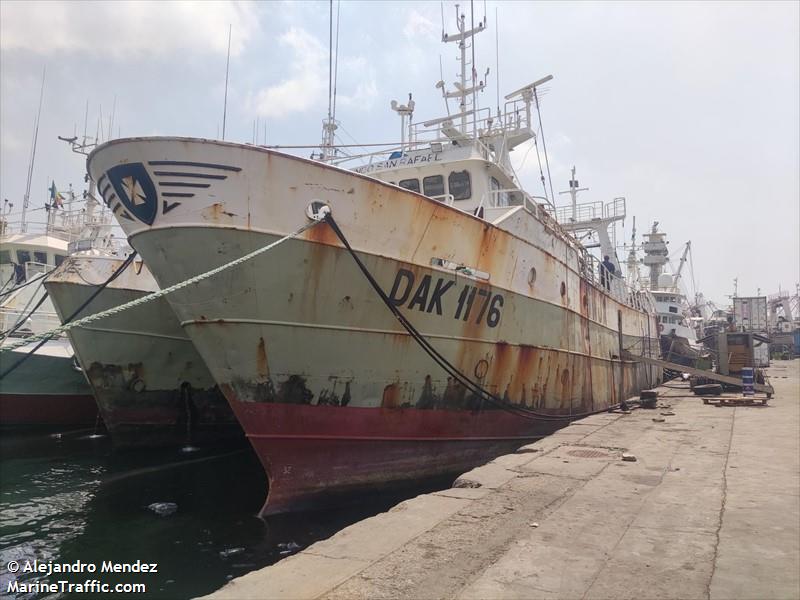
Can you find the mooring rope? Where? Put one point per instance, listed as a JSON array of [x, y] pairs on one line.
[[155, 295]]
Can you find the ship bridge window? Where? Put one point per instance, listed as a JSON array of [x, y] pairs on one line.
[[59, 259], [459, 184], [40, 257], [5, 257], [23, 256], [433, 185], [673, 309], [410, 184]]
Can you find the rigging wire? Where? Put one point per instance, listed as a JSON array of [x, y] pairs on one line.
[[24, 318], [22, 285], [544, 144], [75, 313]]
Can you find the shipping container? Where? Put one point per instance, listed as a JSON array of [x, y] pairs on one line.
[[750, 313]]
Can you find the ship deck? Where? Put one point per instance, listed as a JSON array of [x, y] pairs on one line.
[[710, 508]]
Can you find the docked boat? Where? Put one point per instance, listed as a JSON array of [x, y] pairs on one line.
[[676, 323], [48, 387], [436, 315], [151, 385]]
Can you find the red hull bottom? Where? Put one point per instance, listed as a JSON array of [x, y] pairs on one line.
[[33, 410], [315, 453], [162, 418]]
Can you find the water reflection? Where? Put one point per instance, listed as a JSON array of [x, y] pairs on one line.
[[72, 499]]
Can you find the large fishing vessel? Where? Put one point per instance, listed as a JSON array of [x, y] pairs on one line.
[[437, 315], [151, 385]]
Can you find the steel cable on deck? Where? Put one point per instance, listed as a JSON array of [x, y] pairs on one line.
[[145, 299], [448, 367]]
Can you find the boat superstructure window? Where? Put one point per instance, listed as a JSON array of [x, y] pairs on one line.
[[40, 257], [410, 184], [460, 185], [433, 185], [23, 256], [59, 259], [673, 309], [5, 257]]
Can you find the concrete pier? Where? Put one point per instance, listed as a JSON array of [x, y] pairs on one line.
[[709, 508]]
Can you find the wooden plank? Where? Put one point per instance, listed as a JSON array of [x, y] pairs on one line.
[[759, 387]]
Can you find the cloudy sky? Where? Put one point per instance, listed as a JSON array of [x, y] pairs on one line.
[[689, 110]]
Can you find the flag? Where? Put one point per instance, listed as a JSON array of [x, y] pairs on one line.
[[55, 197]]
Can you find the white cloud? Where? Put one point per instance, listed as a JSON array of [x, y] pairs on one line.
[[125, 29], [418, 25], [308, 84]]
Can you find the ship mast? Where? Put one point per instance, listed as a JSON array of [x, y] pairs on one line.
[[573, 192], [329, 126], [462, 92], [27, 198]]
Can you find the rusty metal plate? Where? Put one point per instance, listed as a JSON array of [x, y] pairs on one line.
[[588, 453]]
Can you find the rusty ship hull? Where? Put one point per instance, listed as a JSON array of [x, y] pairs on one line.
[[332, 392], [151, 386]]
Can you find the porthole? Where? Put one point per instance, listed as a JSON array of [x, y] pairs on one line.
[[531, 276], [563, 289]]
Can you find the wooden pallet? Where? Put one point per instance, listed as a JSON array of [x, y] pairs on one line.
[[739, 401]]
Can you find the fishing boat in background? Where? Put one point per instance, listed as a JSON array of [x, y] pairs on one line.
[[151, 385], [677, 324], [48, 387], [436, 316]]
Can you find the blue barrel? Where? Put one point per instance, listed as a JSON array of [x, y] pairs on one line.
[[747, 381]]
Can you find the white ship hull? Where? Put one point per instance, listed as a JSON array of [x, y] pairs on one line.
[[151, 385], [332, 391]]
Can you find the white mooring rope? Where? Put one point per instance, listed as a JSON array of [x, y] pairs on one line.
[[155, 295]]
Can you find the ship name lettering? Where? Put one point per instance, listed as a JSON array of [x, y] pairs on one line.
[[475, 303]]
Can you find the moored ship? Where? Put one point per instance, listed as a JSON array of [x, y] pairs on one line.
[[44, 386], [151, 386], [505, 332]]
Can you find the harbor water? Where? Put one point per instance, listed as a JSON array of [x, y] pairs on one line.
[[70, 498]]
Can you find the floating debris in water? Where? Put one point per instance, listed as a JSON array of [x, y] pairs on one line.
[[163, 509], [288, 548], [189, 448], [230, 552], [628, 457]]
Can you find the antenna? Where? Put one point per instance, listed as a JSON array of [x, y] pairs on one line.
[[329, 125], [497, 56], [406, 111], [111, 118], [227, 68], [336, 62], [573, 192], [26, 200]]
